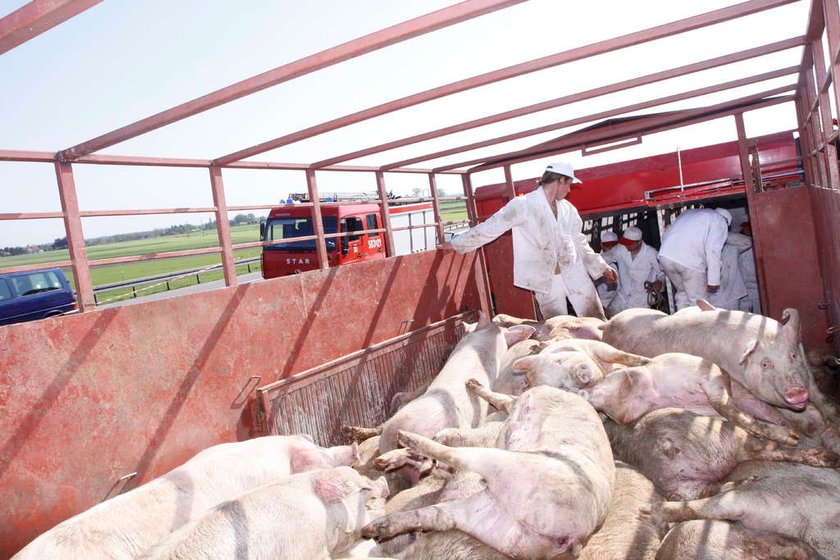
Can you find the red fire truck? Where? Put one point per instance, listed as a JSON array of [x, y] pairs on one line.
[[362, 223]]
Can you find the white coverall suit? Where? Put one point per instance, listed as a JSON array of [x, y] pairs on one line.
[[542, 246], [732, 287], [644, 267], [690, 254], [618, 257]]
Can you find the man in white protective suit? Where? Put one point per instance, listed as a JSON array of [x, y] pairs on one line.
[[613, 254], [690, 253], [640, 271], [732, 286], [551, 256]]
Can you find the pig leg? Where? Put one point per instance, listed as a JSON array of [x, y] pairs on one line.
[[607, 355], [717, 389], [398, 458], [756, 449], [485, 436], [358, 433], [750, 404], [499, 400]]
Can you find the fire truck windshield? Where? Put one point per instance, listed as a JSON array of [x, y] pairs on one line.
[[288, 228]]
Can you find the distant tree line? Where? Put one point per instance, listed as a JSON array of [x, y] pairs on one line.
[[181, 229]]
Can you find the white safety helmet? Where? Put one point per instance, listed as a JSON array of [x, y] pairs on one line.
[[563, 168], [608, 237], [632, 233]]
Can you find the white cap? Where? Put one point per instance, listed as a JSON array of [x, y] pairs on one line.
[[726, 214], [608, 237], [563, 168], [632, 233]]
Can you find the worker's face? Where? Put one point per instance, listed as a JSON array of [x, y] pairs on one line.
[[634, 247], [564, 185]]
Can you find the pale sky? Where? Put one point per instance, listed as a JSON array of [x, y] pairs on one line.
[[124, 60]]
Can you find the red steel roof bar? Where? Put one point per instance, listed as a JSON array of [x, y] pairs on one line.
[[389, 36], [588, 94], [598, 116], [36, 17], [623, 130], [601, 47]]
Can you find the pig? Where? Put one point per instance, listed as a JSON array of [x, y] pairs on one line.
[[446, 403], [720, 540], [626, 534], [306, 515], [683, 452], [676, 380], [573, 364], [506, 381], [548, 485], [557, 328], [126, 525], [790, 499], [762, 354]]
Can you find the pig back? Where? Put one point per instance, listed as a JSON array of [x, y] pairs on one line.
[[446, 402]]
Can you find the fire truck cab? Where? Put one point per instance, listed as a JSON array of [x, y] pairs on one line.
[[291, 221]]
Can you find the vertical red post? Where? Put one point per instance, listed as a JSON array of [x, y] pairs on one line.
[[804, 137], [749, 185], [829, 150], [744, 153], [223, 226], [75, 235], [472, 213], [815, 126], [831, 11], [386, 214], [436, 207], [317, 222], [511, 188]]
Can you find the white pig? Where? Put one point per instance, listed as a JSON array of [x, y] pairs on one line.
[[760, 353], [794, 500], [126, 525], [683, 452], [676, 380], [446, 403], [573, 364], [559, 327], [306, 515], [547, 491], [720, 540]]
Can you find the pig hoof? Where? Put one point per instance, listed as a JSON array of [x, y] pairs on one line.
[[392, 460], [357, 433], [473, 384], [378, 529]]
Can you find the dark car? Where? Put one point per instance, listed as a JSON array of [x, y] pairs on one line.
[[25, 296]]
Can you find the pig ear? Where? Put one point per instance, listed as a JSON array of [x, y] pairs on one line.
[[483, 319], [518, 334], [523, 365], [748, 349], [469, 327], [790, 326], [705, 305], [331, 488]]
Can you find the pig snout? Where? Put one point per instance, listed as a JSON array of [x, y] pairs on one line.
[[796, 396]]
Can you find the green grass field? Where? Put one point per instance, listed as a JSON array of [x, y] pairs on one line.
[[451, 211]]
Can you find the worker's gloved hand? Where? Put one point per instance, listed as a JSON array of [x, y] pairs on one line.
[[657, 286], [446, 247], [712, 289], [611, 275]]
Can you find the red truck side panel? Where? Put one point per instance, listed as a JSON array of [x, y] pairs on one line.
[[90, 398]]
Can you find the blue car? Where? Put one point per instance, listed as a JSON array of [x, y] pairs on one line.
[[25, 296]]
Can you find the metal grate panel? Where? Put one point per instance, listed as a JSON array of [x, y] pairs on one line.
[[356, 389]]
